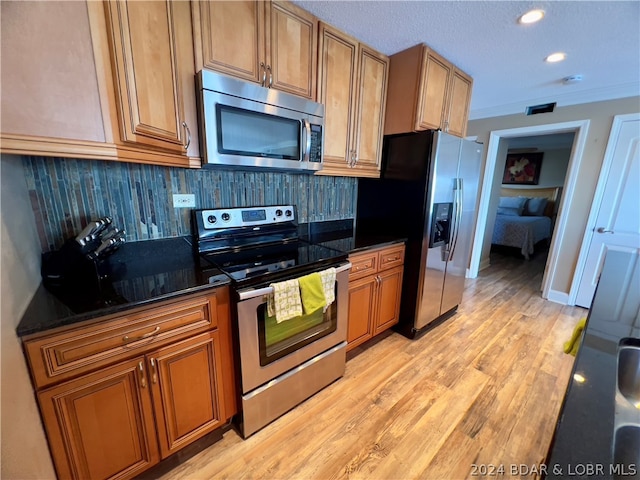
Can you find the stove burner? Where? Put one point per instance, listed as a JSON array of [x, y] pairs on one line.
[[258, 245]]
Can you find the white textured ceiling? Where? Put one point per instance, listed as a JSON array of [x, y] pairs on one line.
[[505, 59]]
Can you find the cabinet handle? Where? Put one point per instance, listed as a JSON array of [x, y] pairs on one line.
[[603, 230], [154, 371], [264, 73], [446, 126], [186, 127], [378, 280], [126, 338], [355, 158], [143, 381], [270, 76], [390, 259]]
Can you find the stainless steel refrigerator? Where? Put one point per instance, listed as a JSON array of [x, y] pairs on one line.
[[427, 193]]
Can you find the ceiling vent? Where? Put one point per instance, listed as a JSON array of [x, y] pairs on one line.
[[544, 108]]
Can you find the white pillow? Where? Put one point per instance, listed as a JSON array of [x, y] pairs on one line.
[[535, 207], [513, 202]]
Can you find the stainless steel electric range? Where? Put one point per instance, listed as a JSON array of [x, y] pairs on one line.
[[281, 364]]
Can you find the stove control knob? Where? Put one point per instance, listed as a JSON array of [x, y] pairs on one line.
[[226, 217], [288, 213], [278, 213], [212, 219]]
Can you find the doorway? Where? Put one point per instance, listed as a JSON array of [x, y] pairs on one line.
[[498, 146], [526, 232]]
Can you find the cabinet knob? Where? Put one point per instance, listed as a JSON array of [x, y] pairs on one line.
[[154, 371], [186, 127], [264, 74], [143, 380], [128, 339]]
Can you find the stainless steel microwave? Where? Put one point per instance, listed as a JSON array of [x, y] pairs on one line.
[[244, 125]]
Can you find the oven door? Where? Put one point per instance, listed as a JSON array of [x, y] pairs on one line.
[[269, 349]]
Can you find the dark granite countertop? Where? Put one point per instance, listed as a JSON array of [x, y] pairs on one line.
[[341, 235], [141, 273], [138, 274], [583, 444]]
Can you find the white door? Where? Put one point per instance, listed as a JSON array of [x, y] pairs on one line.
[[617, 223]]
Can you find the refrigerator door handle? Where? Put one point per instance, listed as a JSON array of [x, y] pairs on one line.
[[459, 191]]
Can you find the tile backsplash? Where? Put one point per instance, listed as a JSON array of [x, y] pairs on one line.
[[67, 193]]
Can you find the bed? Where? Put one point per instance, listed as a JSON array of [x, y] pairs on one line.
[[525, 217]]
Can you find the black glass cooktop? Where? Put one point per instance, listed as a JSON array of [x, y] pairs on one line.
[[271, 263]]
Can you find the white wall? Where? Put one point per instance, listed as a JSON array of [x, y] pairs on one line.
[[25, 454], [554, 167], [601, 116]]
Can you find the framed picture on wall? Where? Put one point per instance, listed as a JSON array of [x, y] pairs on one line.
[[522, 168]]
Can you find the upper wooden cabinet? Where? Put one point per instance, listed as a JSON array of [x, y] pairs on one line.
[[426, 92], [116, 86], [152, 56], [352, 85], [271, 43], [48, 82]]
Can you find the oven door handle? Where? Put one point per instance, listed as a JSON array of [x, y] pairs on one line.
[[253, 293]]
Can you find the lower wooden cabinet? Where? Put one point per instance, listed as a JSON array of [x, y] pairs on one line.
[[375, 287], [186, 379], [118, 420], [101, 425]]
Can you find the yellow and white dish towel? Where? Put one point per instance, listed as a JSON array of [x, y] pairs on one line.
[[571, 346], [284, 303], [312, 293], [328, 277]]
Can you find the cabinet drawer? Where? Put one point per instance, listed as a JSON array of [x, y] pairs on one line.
[[363, 264], [58, 357], [391, 257]]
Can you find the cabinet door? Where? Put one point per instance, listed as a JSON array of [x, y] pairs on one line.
[[369, 123], [337, 88], [292, 46], [229, 37], [146, 66], [361, 311], [460, 98], [435, 83], [388, 307], [101, 425], [48, 85], [186, 381]]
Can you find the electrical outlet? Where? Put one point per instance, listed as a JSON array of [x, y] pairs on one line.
[[184, 200]]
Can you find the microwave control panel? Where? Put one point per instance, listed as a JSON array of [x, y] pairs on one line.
[[315, 155]]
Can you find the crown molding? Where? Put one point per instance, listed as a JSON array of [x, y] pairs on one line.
[[575, 98]]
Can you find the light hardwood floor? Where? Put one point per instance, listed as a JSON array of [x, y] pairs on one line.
[[483, 388]]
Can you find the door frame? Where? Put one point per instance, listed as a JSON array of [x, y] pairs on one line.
[[618, 120], [580, 128]]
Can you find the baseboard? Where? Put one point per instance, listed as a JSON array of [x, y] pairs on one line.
[[558, 297], [484, 263]]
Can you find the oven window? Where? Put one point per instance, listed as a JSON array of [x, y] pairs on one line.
[[279, 339], [254, 134]]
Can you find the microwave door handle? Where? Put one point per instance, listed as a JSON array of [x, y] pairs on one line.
[[307, 152]]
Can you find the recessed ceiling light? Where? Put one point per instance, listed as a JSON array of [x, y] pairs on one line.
[[555, 57], [531, 16]]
